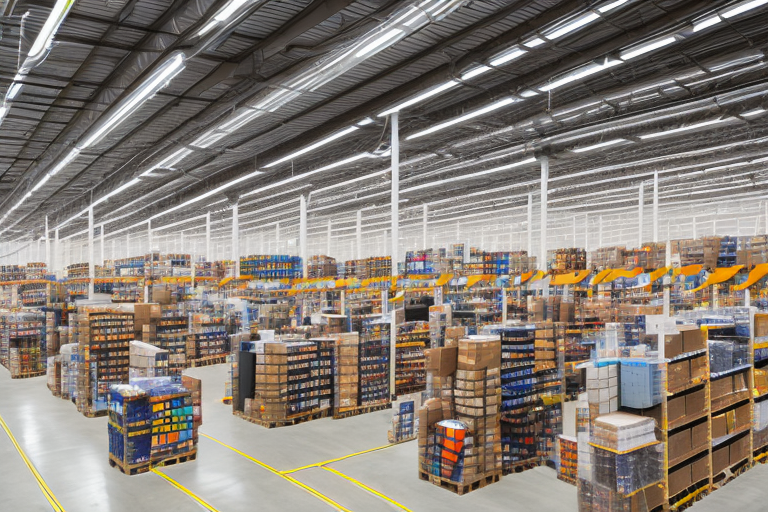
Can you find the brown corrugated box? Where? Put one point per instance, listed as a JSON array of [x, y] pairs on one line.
[[720, 459], [479, 353], [693, 338], [441, 361], [679, 480]]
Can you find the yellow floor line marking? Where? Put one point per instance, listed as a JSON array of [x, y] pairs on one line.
[[43, 486], [183, 489], [362, 485], [269, 468], [321, 464]]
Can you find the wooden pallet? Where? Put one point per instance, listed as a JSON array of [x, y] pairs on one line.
[[730, 473], [128, 469], [28, 375], [94, 414], [461, 488], [176, 459], [525, 465], [206, 361], [291, 420], [348, 412]]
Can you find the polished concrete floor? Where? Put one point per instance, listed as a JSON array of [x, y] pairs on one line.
[[70, 452]]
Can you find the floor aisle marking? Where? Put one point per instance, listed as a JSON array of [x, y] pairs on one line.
[[269, 468], [362, 485], [321, 464], [49, 496], [183, 489]]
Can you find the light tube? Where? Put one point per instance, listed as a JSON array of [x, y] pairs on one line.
[[598, 146], [208, 139], [64, 161], [421, 97], [222, 15], [13, 90], [642, 50], [167, 71], [754, 112], [746, 6], [42, 182], [465, 117], [586, 71], [170, 161], [681, 129], [121, 188], [379, 43], [472, 73], [463, 177], [365, 122], [508, 56], [706, 23], [240, 120], [612, 5], [570, 27], [534, 42], [45, 37], [314, 146]]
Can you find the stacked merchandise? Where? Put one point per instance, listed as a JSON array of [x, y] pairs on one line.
[[77, 270], [106, 270], [569, 459], [53, 374], [271, 267], [367, 268], [180, 264], [167, 330], [130, 267], [326, 357], [419, 262], [286, 384], [440, 319], [147, 360], [155, 266], [404, 422], [22, 344], [321, 266], [174, 432], [507, 263], [563, 261], [476, 263], [12, 273], [374, 363], [206, 269], [649, 257], [130, 429], [195, 388], [410, 374], [362, 303], [104, 337], [40, 294], [127, 290], [347, 372], [608, 257], [626, 465], [207, 340], [70, 368], [752, 251], [36, 271], [603, 387], [760, 426], [702, 251], [728, 255]]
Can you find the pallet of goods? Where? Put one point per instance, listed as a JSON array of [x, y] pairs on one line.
[[23, 344], [147, 360], [373, 363], [271, 267], [564, 261], [608, 257], [207, 341], [321, 266], [410, 375]]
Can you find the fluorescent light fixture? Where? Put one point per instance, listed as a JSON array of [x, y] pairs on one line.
[[3, 111], [421, 97], [64, 161], [681, 129], [169, 161], [598, 146], [463, 177], [147, 89], [755, 112], [579, 73], [743, 7], [346, 161], [42, 182], [222, 15], [534, 42], [314, 146], [508, 56], [466, 117], [365, 122], [573, 25], [706, 23], [51, 25], [379, 43], [529, 93], [472, 73], [611, 6], [649, 47], [240, 120], [121, 188], [208, 139], [276, 99], [13, 90]]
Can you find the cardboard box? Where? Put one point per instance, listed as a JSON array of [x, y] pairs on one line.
[[695, 402], [679, 444], [719, 426], [743, 417], [700, 469], [678, 374], [679, 480], [479, 353], [739, 450], [700, 435], [441, 362], [720, 459], [693, 338], [676, 408], [699, 367], [673, 345], [721, 387]]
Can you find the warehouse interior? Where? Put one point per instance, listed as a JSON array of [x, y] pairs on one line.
[[353, 232]]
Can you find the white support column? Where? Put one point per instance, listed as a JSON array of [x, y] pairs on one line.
[[694, 226], [600, 231], [277, 238], [48, 263], [303, 233], [655, 206], [101, 245], [425, 214], [328, 240], [640, 212], [395, 192], [586, 233], [530, 225], [91, 253], [149, 236], [127, 245], [208, 237], [573, 219], [56, 255], [236, 238], [544, 161], [667, 282], [359, 234]]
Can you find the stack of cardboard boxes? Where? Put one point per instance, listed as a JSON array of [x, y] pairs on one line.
[[608, 257], [751, 251], [147, 360], [701, 251], [347, 374], [602, 388]]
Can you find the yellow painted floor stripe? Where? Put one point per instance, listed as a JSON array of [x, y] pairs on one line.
[[183, 489], [321, 464], [269, 468], [362, 485], [49, 496]]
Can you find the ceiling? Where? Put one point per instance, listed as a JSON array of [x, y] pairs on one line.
[[242, 86]]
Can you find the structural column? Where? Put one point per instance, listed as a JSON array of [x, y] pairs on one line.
[[56, 251], [600, 232], [359, 233], [303, 233], [425, 214], [655, 206], [48, 262], [544, 189], [277, 238], [208, 237], [91, 253], [530, 225], [236, 239], [328, 240], [640, 211], [395, 193], [103, 241]]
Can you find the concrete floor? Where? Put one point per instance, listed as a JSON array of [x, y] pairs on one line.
[[70, 452]]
